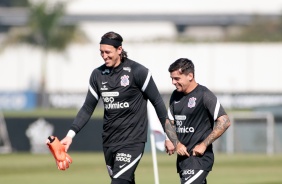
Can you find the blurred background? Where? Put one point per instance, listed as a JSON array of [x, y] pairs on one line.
[[48, 50]]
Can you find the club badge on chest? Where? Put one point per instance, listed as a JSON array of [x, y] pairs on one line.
[[192, 102], [124, 80]]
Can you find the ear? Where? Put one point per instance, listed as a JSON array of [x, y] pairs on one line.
[[190, 76], [119, 49]]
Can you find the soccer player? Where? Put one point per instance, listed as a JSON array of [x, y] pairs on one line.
[[193, 111], [124, 86]]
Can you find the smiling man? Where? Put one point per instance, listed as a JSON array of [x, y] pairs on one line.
[[190, 124], [124, 86]]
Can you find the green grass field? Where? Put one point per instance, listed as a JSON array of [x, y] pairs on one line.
[[89, 168]]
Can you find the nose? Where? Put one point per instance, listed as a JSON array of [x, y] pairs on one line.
[[173, 81], [104, 56]]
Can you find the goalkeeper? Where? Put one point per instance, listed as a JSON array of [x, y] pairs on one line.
[[124, 86]]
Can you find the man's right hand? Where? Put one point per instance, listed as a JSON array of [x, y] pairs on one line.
[[63, 160], [66, 142], [181, 150]]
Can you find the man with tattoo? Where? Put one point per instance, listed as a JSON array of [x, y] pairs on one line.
[[193, 111]]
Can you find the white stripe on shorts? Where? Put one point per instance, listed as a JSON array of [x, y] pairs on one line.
[[127, 167], [194, 177]]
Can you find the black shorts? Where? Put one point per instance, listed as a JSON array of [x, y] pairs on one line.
[[122, 161], [193, 176]]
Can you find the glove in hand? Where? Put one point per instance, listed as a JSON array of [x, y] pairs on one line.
[[63, 160]]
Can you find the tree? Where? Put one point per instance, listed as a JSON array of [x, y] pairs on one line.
[[45, 30], [261, 29]]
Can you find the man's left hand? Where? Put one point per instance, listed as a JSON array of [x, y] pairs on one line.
[[199, 149]]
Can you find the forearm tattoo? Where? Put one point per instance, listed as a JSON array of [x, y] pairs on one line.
[[170, 130], [221, 126]]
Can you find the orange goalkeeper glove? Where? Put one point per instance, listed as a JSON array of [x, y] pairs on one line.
[[58, 150]]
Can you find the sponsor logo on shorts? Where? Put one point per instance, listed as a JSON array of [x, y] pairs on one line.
[[122, 157], [188, 172]]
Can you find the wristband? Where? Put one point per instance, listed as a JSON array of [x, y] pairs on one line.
[[71, 133]]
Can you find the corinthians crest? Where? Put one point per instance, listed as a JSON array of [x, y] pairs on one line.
[[124, 80], [192, 102]]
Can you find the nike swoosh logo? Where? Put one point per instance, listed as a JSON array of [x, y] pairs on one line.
[[176, 102], [187, 178], [121, 166], [104, 82]]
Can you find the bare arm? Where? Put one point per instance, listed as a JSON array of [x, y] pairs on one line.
[[222, 124], [170, 130]]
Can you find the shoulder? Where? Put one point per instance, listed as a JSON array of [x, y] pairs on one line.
[[207, 93], [137, 68], [203, 89], [133, 64]]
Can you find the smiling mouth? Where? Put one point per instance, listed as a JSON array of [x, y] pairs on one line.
[[178, 87]]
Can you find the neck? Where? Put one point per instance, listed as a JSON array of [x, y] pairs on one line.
[[191, 87], [117, 63]]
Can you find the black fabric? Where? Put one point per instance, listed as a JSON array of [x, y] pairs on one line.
[[108, 41], [191, 176], [124, 91], [122, 161], [121, 181], [194, 115]]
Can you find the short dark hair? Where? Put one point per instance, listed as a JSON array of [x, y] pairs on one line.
[[184, 65], [115, 36]]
